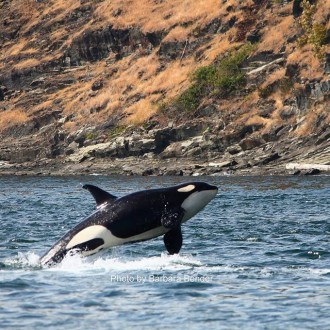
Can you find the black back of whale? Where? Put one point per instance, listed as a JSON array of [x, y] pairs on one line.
[[132, 215], [151, 210]]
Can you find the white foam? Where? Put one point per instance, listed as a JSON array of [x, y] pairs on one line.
[[123, 264], [74, 263], [29, 259]]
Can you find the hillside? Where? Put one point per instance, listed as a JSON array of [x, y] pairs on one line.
[[163, 87]]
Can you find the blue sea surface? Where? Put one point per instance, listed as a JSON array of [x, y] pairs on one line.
[[257, 257]]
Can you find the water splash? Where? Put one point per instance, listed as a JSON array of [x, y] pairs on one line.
[[28, 260], [74, 263]]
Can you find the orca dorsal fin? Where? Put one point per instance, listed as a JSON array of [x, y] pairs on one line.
[[99, 195]]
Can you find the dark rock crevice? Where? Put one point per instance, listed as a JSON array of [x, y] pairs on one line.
[[96, 45]]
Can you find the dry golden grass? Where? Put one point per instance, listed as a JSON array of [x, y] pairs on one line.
[[172, 79], [276, 34], [135, 77], [112, 108], [55, 12], [217, 46], [48, 104], [256, 120], [58, 9], [322, 13], [19, 49], [311, 67], [29, 11], [28, 63], [276, 119], [277, 96], [306, 126], [295, 57], [25, 8], [84, 104], [97, 102], [141, 81], [283, 9], [70, 126], [310, 120], [146, 67], [152, 16], [139, 78], [140, 112], [16, 48], [179, 33], [273, 77], [74, 96], [250, 115], [11, 118]]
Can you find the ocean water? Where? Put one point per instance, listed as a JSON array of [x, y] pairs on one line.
[[257, 257]]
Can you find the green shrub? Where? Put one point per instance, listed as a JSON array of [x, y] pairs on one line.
[[215, 79], [91, 136], [286, 85], [116, 130], [314, 33], [189, 99]]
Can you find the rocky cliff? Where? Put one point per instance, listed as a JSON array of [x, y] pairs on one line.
[[158, 87]]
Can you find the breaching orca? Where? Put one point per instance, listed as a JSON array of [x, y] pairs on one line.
[[136, 217]]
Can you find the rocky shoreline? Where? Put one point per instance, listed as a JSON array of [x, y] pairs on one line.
[[186, 150], [143, 168]]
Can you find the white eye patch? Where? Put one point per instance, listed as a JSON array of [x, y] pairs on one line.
[[188, 188]]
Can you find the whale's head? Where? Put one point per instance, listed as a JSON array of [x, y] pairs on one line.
[[195, 196]]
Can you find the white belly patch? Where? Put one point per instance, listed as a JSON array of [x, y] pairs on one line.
[[98, 231], [93, 232]]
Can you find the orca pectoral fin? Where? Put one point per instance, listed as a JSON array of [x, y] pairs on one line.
[[173, 219], [173, 240], [99, 195]]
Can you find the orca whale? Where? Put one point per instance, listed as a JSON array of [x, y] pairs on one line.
[[135, 217]]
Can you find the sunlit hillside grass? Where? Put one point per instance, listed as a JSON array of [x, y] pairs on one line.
[[37, 36]]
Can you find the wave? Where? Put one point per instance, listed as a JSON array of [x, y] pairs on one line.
[[123, 264], [29, 260], [74, 263]]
